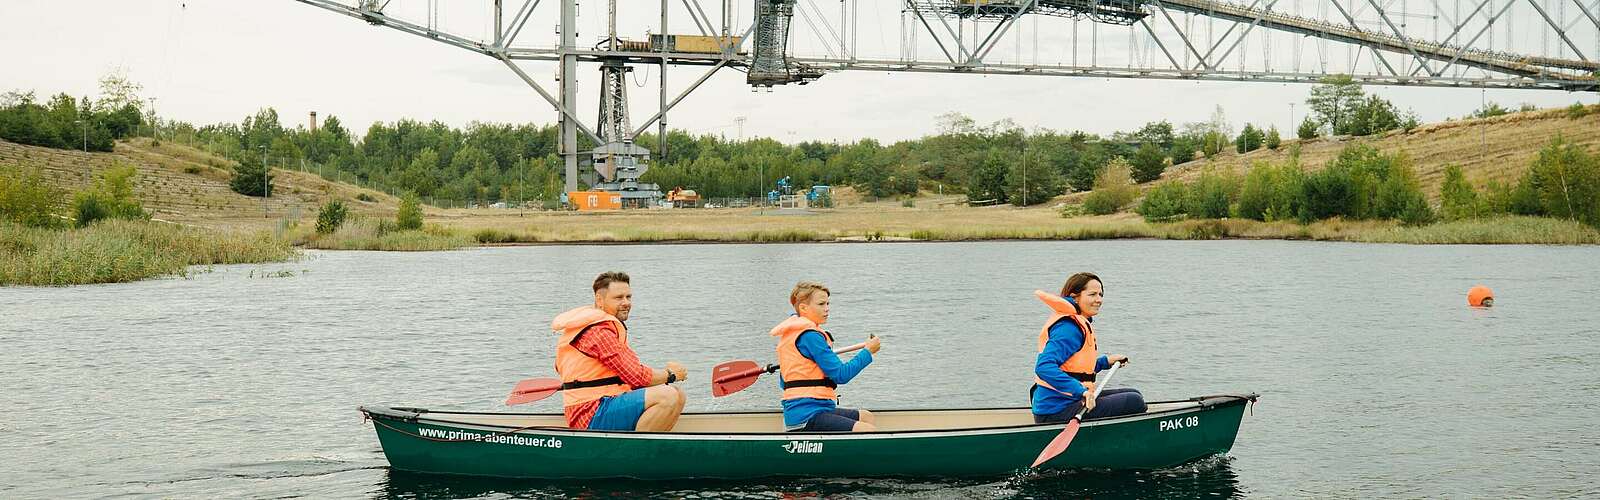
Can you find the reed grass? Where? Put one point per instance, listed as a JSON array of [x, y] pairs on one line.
[[365, 234], [120, 250]]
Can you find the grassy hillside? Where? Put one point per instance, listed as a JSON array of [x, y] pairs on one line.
[[186, 185], [1499, 148]]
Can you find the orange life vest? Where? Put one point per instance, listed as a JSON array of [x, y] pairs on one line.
[[585, 379], [802, 378], [1082, 364]]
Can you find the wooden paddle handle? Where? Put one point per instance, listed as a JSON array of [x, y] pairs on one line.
[[850, 348]]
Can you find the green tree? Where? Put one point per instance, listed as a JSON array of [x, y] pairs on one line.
[[1308, 129], [1335, 100], [1249, 139], [1148, 163], [1043, 182], [409, 216], [1113, 189], [27, 198], [988, 181], [1458, 200], [1567, 182], [331, 216], [1211, 196], [252, 179], [1164, 203]]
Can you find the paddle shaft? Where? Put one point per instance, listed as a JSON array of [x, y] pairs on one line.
[[757, 371], [1064, 439], [1097, 388]]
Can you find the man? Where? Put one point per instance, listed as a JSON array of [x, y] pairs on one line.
[[603, 384]]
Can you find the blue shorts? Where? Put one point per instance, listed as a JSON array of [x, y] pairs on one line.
[[838, 420], [618, 413]]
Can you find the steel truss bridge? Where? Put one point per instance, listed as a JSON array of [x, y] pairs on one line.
[[1499, 44]]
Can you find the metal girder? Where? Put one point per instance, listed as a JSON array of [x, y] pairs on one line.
[[1436, 59], [680, 97], [1560, 32], [1354, 24], [999, 30], [1182, 35], [1402, 35]]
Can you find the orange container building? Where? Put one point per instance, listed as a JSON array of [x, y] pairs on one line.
[[595, 200]]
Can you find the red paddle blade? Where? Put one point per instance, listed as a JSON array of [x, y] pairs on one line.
[[533, 389], [1059, 444], [733, 376]]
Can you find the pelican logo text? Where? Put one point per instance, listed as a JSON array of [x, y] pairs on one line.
[[803, 447]]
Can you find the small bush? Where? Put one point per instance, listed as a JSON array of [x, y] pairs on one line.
[[1211, 196], [909, 203], [25, 197], [1270, 192], [366, 198], [1273, 139], [409, 217], [1308, 129], [110, 198], [1577, 110], [331, 216], [191, 169], [1164, 203], [1113, 189]]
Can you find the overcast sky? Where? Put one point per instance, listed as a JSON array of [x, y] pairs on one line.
[[207, 61]]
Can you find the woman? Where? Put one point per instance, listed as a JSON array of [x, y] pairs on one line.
[[1068, 360], [810, 370]]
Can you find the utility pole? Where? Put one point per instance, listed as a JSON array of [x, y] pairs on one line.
[[1024, 172], [522, 198], [264, 170]]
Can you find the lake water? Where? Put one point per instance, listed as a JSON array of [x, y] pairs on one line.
[[1376, 379]]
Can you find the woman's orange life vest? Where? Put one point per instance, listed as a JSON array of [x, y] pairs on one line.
[[1082, 364], [585, 379], [802, 377]]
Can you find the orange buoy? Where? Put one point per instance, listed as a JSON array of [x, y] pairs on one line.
[[1480, 296]]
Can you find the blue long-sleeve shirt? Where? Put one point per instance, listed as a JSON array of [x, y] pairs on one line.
[[796, 412], [1066, 339]]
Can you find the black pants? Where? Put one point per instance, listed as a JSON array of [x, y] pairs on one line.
[[1111, 403]]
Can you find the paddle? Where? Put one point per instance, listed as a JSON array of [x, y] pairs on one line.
[[533, 389], [734, 376], [1064, 439]]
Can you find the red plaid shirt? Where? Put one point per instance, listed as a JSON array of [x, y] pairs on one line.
[[600, 342]]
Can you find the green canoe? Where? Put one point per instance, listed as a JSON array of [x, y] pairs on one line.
[[743, 445]]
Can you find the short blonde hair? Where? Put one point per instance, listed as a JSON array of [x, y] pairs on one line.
[[803, 292]]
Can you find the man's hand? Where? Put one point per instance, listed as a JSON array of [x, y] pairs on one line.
[[1088, 402], [1116, 358], [873, 344], [678, 369]]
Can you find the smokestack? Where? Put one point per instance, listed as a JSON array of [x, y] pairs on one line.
[[313, 122]]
